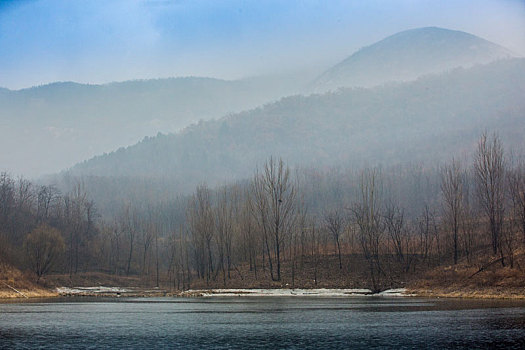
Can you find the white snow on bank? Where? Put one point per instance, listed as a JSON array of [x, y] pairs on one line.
[[293, 292], [321, 292], [90, 290], [398, 292]]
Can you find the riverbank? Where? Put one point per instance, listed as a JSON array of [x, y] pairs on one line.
[[282, 292], [15, 284], [102, 291], [485, 293], [27, 293], [481, 280], [474, 280]]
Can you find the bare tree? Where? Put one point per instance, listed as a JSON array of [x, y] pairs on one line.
[[489, 168], [202, 227], [47, 198], [274, 207], [22, 216], [452, 192], [335, 222], [115, 242], [146, 227], [127, 226], [248, 233], [224, 218], [428, 233], [468, 220], [508, 241], [516, 180], [367, 217], [7, 205], [397, 230], [79, 216], [315, 248]]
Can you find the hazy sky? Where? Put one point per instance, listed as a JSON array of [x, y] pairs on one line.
[[97, 41]]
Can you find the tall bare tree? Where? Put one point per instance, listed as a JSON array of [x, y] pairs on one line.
[[48, 197], [516, 180], [367, 217], [224, 221], [489, 169], [202, 227], [397, 229], [248, 233], [79, 216], [274, 207], [428, 233], [127, 226], [452, 193], [335, 222]]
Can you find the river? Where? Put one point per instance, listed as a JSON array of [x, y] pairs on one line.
[[262, 323]]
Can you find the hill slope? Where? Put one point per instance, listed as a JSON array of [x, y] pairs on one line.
[[51, 127], [410, 54], [425, 120]]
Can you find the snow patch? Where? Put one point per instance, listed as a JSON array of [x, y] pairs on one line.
[[90, 290], [397, 292], [322, 292]]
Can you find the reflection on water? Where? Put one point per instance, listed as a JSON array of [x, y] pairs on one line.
[[263, 323]]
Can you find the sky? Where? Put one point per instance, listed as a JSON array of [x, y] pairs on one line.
[[100, 41]]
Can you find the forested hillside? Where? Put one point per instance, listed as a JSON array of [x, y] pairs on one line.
[[62, 123], [54, 126], [422, 121]]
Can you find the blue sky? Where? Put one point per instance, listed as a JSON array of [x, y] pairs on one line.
[[97, 41]]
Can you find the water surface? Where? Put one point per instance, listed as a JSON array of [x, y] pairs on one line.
[[263, 323]]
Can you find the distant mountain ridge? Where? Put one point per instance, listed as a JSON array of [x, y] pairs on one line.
[[52, 127], [430, 118], [408, 55], [64, 122]]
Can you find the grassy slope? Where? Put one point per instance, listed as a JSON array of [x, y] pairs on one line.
[[12, 278], [467, 281]]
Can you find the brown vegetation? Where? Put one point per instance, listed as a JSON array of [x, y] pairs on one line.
[[371, 229], [479, 279], [15, 284]]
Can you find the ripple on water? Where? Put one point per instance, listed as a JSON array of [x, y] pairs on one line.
[[263, 323]]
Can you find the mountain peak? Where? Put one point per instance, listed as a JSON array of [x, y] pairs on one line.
[[410, 54]]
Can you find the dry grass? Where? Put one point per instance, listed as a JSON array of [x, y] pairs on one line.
[[15, 284], [352, 275], [467, 281], [90, 279], [459, 280]]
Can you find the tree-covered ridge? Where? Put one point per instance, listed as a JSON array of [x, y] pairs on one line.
[[426, 119], [78, 121]]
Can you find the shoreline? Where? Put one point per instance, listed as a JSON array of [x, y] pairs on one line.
[[287, 292], [25, 294], [485, 293], [117, 292]]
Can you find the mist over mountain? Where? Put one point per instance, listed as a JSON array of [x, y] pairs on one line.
[[51, 127], [408, 55], [428, 120]]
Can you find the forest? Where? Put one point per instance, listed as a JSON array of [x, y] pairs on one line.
[[373, 227], [420, 121]]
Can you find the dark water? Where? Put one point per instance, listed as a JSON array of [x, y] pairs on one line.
[[263, 323]]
